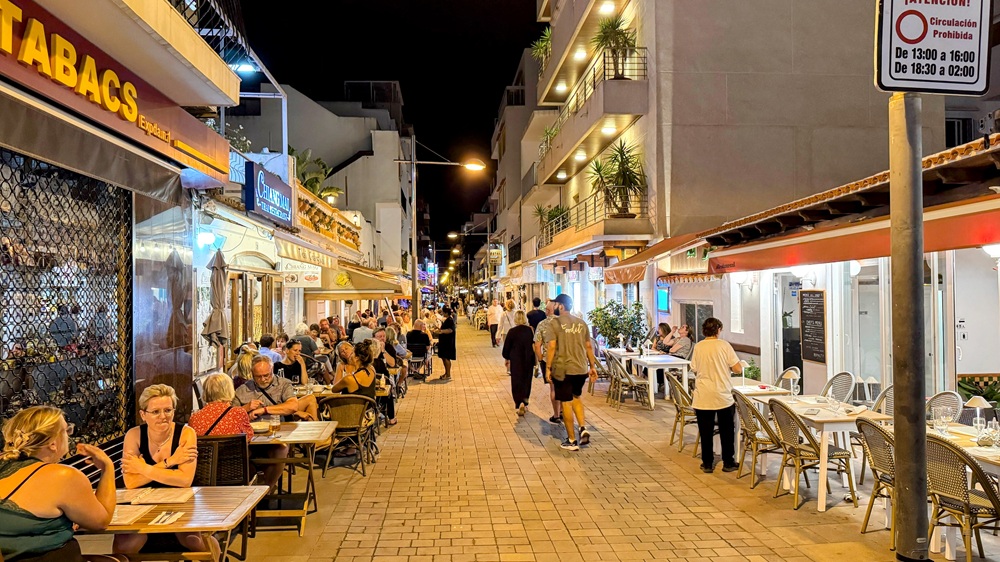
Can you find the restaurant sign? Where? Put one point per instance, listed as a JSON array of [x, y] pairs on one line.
[[266, 196], [43, 54]]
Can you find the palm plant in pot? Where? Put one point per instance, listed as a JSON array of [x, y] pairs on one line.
[[619, 178], [615, 37], [541, 49]]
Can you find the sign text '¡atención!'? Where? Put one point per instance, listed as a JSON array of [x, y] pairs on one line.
[[272, 201], [56, 57], [957, 3]]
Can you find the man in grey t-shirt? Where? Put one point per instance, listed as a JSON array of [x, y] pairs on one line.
[[570, 361]]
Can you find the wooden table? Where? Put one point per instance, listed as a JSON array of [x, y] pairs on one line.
[[210, 510], [827, 423], [308, 435]]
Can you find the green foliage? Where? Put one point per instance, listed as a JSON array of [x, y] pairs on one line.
[[559, 217], [549, 133], [620, 41], [619, 177], [313, 173], [615, 318], [541, 214], [968, 389], [541, 49], [752, 371]]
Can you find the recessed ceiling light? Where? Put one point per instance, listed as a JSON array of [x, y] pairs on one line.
[[561, 87], [609, 130], [580, 54], [580, 156], [607, 7], [561, 175]]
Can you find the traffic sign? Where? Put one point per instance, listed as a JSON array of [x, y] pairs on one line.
[[933, 46]]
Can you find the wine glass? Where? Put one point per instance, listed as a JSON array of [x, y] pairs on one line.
[[979, 423], [993, 429]]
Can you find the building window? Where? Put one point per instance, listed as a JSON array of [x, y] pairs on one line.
[[735, 308], [958, 130]]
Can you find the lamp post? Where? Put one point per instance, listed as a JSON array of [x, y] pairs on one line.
[[473, 165]]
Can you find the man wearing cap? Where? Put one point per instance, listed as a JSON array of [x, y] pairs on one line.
[[543, 335], [570, 361]]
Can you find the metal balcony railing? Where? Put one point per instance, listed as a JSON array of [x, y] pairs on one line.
[[606, 66], [593, 210], [220, 24]]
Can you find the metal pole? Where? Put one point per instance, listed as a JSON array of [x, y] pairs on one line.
[[906, 215], [415, 287], [489, 258]]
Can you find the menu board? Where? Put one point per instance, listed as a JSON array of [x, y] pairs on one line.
[[812, 315]]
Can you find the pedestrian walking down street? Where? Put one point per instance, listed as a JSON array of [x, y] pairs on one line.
[[446, 342], [493, 315], [544, 335], [535, 317], [713, 360], [572, 360], [520, 360]]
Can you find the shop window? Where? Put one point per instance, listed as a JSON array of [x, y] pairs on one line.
[[66, 305], [694, 315], [663, 300]]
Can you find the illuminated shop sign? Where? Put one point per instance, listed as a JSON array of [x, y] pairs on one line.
[[266, 196]]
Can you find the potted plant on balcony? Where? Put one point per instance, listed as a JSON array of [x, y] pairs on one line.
[[558, 217], [541, 214], [541, 49], [618, 178], [313, 173], [618, 41]]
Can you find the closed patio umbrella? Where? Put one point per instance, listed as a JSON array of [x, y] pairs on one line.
[[216, 327]]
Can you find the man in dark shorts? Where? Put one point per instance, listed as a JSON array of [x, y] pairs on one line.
[[543, 335], [571, 361]]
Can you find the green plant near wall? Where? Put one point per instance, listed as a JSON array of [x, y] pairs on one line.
[[313, 173], [967, 389], [541, 49], [541, 214], [752, 370], [615, 36], [615, 318], [559, 217], [619, 177]]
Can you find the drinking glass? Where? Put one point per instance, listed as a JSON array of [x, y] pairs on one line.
[[275, 422], [980, 424], [947, 416], [937, 418], [993, 428]]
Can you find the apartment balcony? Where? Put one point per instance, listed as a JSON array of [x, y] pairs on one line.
[[596, 220], [574, 24], [543, 10], [513, 96], [167, 44], [535, 193], [612, 96], [320, 217]]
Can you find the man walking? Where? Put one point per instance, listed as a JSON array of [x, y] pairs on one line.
[[493, 315], [535, 315], [571, 359], [543, 335]]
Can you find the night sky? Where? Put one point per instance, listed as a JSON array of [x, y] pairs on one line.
[[452, 58]]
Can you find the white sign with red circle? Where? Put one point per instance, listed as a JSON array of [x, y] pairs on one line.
[[933, 46]]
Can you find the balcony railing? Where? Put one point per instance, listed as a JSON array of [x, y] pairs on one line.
[[320, 217], [593, 210], [606, 66], [220, 24]]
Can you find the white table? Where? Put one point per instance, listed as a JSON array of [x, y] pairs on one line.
[[661, 361], [827, 423]]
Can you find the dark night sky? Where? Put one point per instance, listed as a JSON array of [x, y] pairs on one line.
[[452, 58]]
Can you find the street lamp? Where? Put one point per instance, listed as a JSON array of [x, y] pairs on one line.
[[452, 235], [489, 238], [456, 251], [472, 165]]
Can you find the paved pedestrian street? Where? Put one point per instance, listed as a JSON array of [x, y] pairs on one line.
[[463, 478]]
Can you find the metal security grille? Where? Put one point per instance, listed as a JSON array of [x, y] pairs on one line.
[[65, 296]]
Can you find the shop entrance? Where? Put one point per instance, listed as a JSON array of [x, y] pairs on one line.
[[255, 302], [788, 337]]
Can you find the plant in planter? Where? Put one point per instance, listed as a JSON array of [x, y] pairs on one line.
[[559, 217], [312, 173], [619, 178], [618, 40], [541, 49], [615, 318], [549, 134], [541, 214], [752, 370]]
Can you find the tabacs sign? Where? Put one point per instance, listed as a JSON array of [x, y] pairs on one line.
[[266, 196], [933, 46]]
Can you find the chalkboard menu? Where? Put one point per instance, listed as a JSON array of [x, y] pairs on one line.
[[812, 314]]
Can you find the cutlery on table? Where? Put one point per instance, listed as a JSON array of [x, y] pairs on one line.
[[161, 518]]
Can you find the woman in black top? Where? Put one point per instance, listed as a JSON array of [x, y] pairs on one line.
[[446, 342], [520, 355], [362, 379], [292, 367]]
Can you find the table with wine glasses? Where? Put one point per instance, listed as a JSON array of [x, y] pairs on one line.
[[659, 361], [829, 419]]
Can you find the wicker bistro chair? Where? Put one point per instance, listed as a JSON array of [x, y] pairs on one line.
[[948, 398], [880, 447], [801, 450], [841, 386], [757, 437], [357, 418], [884, 403], [782, 382], [684, 413], [627, 383], [951, 473], [603, 369]]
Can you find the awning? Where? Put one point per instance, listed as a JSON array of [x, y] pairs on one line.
[[41, 130], [352, 282], [633, 269], [954, 226], [297, 249]]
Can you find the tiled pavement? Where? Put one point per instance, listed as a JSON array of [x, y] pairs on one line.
[[461, 477]]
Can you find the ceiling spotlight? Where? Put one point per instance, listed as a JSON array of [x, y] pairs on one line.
[[607, 7], [580, 156], [561, 87], [580, 54], [609, 130], [455, 251], [561, 175], [452, 235]]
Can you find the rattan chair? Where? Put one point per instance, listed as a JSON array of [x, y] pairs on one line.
[[684, 413], [603, 370], [951, 474], [224, 460], [356, 418], [841, 386], [757, 437], [627, 383], [884, 403], [879, 446], [782, 382], [948, 398], [800, 450]]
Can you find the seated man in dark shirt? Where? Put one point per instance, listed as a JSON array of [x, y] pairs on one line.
[[417, 341]]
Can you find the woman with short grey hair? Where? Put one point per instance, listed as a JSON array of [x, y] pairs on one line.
[[518, 350]]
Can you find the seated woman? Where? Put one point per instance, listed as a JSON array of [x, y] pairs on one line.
[[661, 338], [322, 353], [293, 368], [220, 417], [344, 351], [386, 363], [40, 499], [362, 378], [241, 373], [680, 344], [160, 453]]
